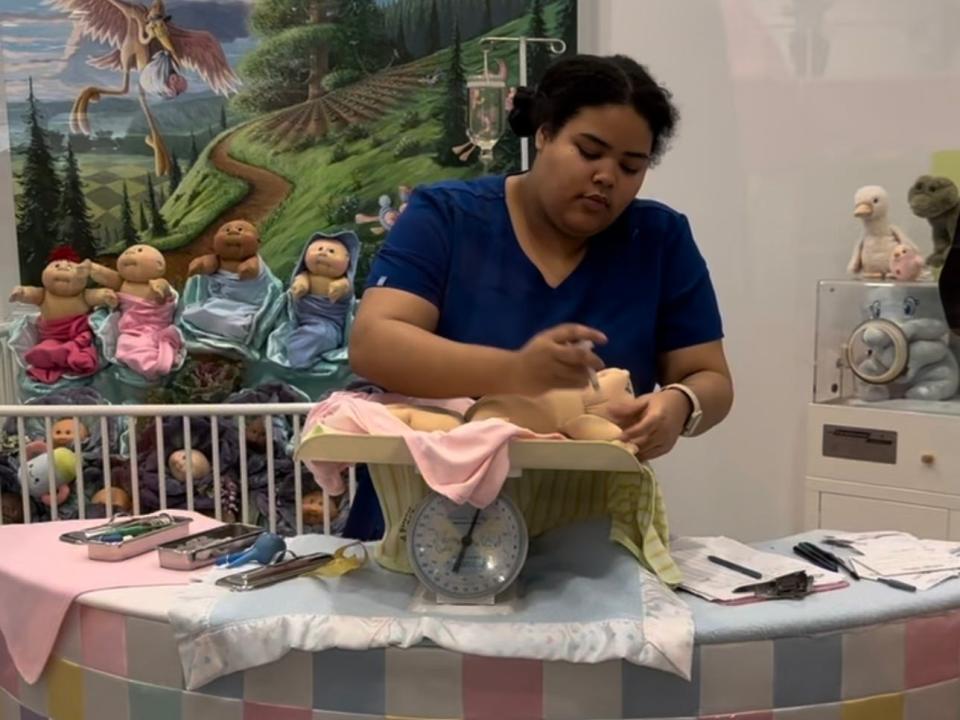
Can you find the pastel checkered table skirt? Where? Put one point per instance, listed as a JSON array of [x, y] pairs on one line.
[[111, 666]]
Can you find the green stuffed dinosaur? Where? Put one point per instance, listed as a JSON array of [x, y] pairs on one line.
[[936, 200]]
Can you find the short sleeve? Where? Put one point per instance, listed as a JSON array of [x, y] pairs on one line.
[[688, 313], [415, 257]]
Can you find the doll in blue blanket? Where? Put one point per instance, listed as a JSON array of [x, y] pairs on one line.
[[321, 295]]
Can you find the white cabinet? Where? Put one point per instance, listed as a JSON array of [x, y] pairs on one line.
[[873, 469]]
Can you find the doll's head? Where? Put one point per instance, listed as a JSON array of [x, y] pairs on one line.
[[11, 506], [64, 275], [256, 434], [64, 432], [141, 263], [177, 461], [118, 496], [931, 196], [313, 503], [236, 240], [327, 257]]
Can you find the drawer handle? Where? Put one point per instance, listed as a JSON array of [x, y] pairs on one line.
[[928, 459]]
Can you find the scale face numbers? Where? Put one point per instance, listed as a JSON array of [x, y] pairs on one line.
[[463, 554]]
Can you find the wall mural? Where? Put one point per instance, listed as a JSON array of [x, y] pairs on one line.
[[158, 122]]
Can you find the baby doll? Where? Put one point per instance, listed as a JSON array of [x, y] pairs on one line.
[[12, 508], [327, 261], [64, 432], [177, 461], [119, 497], [321, 294], [313, 508], [578, 414], [256, 434], [140, 270], [235, 248], [148, 342], [65, 343]]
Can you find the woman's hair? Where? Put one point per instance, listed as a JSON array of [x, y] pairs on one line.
[[590, 81]]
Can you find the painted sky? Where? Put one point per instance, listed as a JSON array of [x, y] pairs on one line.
[[33, 37]]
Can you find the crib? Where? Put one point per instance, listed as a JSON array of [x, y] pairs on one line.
[[121, 432]]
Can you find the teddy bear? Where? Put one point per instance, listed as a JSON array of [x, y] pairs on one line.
[[65, 343], [235, 249], [327, 261]]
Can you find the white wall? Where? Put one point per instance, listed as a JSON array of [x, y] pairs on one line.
[[765, 164]]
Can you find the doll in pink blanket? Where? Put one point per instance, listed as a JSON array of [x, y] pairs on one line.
[[66, 344], [149, 343]]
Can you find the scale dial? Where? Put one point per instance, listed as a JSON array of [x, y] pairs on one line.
[[463, 554]]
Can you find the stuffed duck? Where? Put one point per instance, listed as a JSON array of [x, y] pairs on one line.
[[872, 254]]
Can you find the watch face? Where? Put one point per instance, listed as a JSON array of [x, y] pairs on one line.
[[463, 553]]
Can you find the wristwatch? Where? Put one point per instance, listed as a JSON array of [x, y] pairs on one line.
[[696, 413]]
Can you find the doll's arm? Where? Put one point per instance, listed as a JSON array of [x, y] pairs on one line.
[[105, 276], [249, 268], [204, 265], [160, 290], [300, 285], [101, 296], [339, 289], [27, 294]]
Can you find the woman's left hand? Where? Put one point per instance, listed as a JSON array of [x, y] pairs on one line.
[[652, 422]]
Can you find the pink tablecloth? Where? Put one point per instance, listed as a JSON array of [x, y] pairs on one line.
[[40, 576]]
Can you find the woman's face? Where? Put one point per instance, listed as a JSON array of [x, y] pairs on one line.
[[593, 167]]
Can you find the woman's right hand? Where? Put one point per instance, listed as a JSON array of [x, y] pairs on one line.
[[557, 358]]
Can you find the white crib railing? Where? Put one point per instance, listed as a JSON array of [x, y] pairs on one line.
[[158, 413]]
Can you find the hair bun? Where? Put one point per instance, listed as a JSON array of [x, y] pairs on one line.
[[522, 117]]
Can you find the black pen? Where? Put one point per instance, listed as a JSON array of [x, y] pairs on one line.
[[733, 566], [897, 584], [839, 561], [812, 557]]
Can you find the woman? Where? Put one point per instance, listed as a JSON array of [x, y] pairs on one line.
[[501, 285]]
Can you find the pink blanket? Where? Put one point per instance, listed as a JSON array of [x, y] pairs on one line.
[[467, 464], [65, 347], [149, 343], [40, 576]]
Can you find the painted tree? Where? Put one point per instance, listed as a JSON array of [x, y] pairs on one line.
[[567, 25], [76, 225], [223, 117], [128, 233], [39, 198], [454, 109], [487, 22], [194, 151], [292, 56], [538, 57], [157, 224], [144, 225], [176, 174], [433, 29], [403, 52]]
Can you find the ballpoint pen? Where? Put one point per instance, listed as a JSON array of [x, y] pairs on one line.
[[733, 566], [837, 560], [814, 557]]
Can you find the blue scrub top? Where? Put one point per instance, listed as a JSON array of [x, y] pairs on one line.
[[642, 282]]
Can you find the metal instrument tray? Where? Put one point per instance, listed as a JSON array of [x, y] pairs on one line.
[[98, 549], [278, 572], [203, 548]]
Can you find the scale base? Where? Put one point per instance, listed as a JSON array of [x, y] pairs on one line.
[[505, 603]]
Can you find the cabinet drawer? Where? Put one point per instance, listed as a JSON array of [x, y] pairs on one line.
[[857, 514]]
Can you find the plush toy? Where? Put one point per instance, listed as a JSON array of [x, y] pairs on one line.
[[388, 215], [235, 248], [937, 200], [147, 340], [64, 432], [931, 372], [65, 342], [578, 414], [313, 503], [64, 473], [906, 264], [177, 461], [871, 255]]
